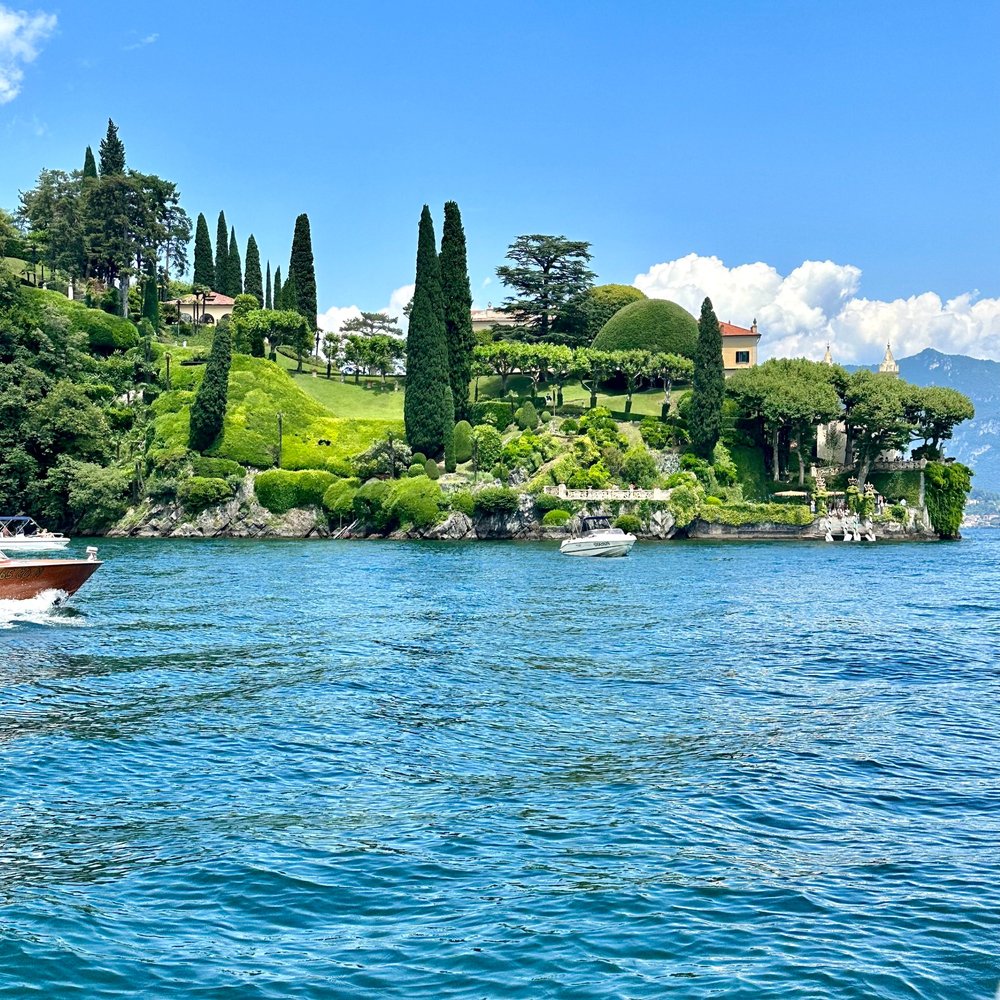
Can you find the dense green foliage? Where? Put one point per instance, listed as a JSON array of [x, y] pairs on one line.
[[457, 305], [216, 468], [89, 165], [487, 446], [338, 500], [404, 503], [947, 487], [267, 288], [491, 411], [196, 493], [302, 272], [427, 407], [234, 268], [221, 255], [105, 333], [151, 302], [496, 500], [650, 325], [208, 411], [253, 283], [462, 441], [708, 385], [738, 514], [629, 523], [280, 490], [556, 518], [600, 303], [526, 416], [277, 288], [204, 266]]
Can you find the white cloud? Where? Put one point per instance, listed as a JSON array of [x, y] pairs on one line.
[[21, 34], [332, 320], [148, 40], [816, 303]]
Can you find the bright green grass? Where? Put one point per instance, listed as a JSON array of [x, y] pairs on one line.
[[752, 474], [258, 391], [370, 399]]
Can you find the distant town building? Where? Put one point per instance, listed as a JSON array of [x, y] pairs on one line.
[[739, 346], [486, 319]]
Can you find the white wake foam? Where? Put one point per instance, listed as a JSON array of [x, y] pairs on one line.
[[46, 608]]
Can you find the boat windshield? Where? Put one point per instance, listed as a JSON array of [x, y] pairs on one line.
[[596, 524], [19, 525]]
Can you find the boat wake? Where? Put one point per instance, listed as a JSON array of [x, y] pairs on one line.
[[46, 608]]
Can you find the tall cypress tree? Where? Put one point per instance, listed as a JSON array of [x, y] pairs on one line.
[[302, 270], [204, 266], [428, 409], [112, 151], [151, 301], [89, 166], [253, 283], [708, 385], [208, 411], [234, 272], [278, 290], [221, 255], [290, 293], [457, 308], [267, 288]]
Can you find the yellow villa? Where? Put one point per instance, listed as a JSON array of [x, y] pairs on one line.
[[739, 346], [208, 308]]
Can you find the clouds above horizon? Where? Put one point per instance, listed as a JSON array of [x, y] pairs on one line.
[[334, 317], [21, 34], [818, 303]]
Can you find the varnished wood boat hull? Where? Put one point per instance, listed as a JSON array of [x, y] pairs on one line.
[[21, 579]]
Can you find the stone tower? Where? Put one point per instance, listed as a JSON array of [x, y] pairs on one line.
[[888, 366]]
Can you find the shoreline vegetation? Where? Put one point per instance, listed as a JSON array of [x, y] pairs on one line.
[[131, 409]]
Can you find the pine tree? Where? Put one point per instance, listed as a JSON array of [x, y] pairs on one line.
[[112, 151], [252, 284], [279, 296], [89, 166], [302, 271], [204, 266], [151, 301], [428, 408], [208, 411], [234, 272], [708, 384], [457, 308], [267, 288], [221, 254]]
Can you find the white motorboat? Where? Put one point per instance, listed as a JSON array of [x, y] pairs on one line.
[[598, 538], [24, 534]]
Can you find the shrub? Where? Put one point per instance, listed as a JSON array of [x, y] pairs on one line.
[[494, 412], [338, 500], [419, 458], [216, 468], [279, 490], [545, 502], [629, 523], [714, 501], [948, 485], [462, 501], [598, 476], [650, 325], [755, 513], [655, 433], [639, 467], [546, 416], [196, 493], [684, 503], [496, 500], [417, 469], [462, 441], [488, 445], [431, 469], [527, 417], [370, 504], [556, 518], [564, 468], [413, 502], [726, 472], [898, 513], [569, 426]]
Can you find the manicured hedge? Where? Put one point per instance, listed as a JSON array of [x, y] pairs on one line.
[[105, 333], [217, 468], [462, 501], [738, 514], [650, 325], [556, 518], [462, 442], [502, 414], [496, 500], [338, 500], [279, 490], [405, 503], [199, 492], [629, 523]]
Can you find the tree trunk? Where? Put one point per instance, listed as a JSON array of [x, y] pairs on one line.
[[864, 468], [802, 469], [503, 383], [774, 455]]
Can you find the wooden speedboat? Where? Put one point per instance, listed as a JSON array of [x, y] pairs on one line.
[[21, 579]]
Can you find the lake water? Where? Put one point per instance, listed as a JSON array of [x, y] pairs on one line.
[[333, 769]]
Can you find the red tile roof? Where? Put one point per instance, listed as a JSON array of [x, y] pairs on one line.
[[728, 330], [212, 299]]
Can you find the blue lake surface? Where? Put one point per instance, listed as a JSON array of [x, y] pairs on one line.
[[333, 769]]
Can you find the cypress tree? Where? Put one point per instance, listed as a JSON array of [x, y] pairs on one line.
[[204, 266], [112, 151], [253, 284], [428, 409], [708, 385], [302, 271], [267, 288], [457, 308], [151, 302], [208, 411], [234, 272], [89, 166], [221, 254], [278, 290], [290, 293]]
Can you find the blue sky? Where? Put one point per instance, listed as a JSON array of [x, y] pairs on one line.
[[863, 134]]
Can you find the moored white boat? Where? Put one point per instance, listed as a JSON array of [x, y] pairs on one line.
[[598, 538], [23, 534]]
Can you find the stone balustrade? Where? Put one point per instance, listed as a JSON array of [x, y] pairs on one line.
[[564, 493]]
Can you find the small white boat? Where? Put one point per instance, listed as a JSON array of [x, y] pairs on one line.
[[598, 538], [23, 534]]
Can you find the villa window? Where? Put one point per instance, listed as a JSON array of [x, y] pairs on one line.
[[743, 357]]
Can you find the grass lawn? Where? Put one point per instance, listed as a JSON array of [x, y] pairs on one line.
[[368, 400]]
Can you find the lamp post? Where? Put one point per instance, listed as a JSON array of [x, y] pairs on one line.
[[317, 345]]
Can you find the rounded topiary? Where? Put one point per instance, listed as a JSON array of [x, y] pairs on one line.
[[556, 518], [569, 426], [650, 325], [463, 441], [629, 523], [527, 417], [418, 458], [462, 501], [546, 416], [417, 469], [431, 469]]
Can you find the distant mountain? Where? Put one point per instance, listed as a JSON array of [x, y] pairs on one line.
[[977, 441]]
